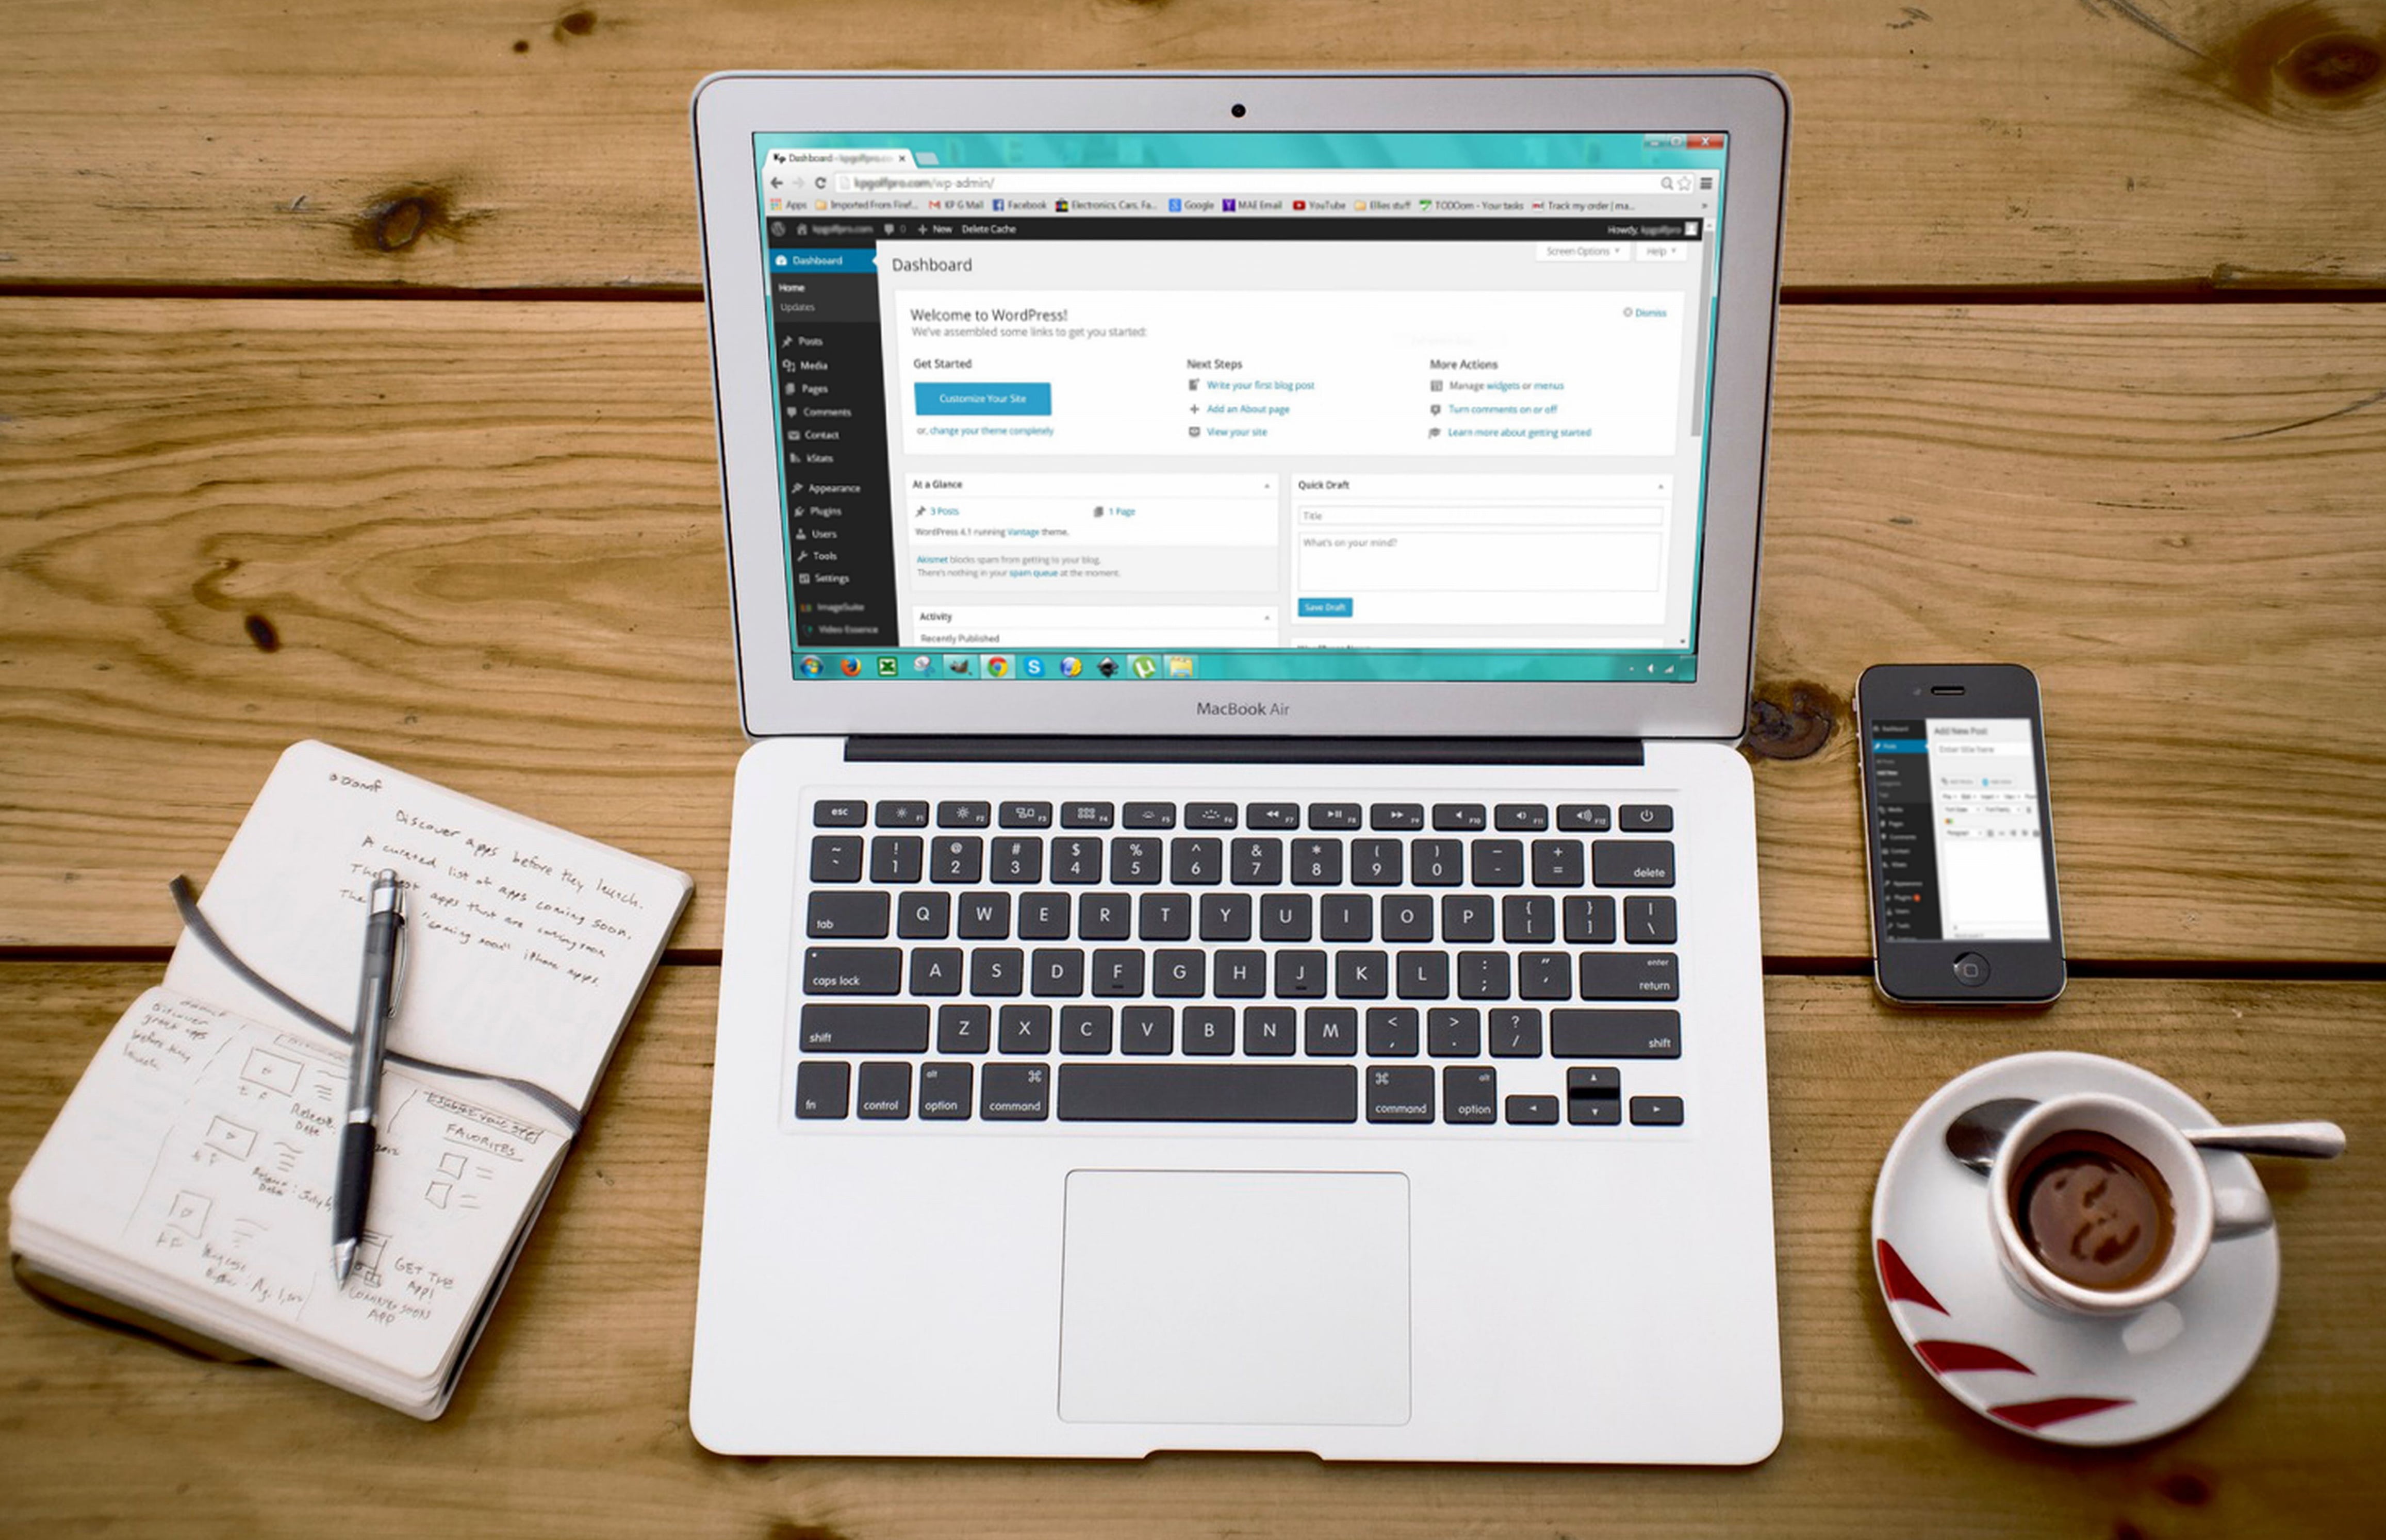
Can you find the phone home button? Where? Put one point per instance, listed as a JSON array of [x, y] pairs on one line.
[[1971, 970]]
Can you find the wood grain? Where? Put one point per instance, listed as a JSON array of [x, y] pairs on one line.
[[2229, 144], [480, 540], [571, 1418]]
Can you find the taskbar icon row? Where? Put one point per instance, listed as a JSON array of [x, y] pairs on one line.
[[997, 664]]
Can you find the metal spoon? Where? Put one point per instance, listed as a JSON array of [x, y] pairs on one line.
[[1973, 1137]]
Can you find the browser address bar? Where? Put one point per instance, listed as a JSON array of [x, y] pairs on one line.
[[1323, 181]]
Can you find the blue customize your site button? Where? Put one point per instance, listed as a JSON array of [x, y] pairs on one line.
[[1324, 609], [970, 399]]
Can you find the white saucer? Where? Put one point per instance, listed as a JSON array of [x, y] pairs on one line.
[[2064, 1379]]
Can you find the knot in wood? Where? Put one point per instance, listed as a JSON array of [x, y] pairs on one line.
[[2335, 66], [399, 218], [1791, 722]]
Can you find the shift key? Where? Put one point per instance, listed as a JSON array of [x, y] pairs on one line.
[[844, 1029], [853, 970]]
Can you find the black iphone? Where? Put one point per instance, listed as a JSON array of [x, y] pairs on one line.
[[1961, 846]]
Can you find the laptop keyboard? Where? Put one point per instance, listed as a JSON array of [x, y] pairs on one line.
[[1215, 961]]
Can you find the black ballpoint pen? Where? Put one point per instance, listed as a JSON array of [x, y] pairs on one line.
[[376, 998]]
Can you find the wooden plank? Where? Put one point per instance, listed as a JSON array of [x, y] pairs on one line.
[[480, 540], [2228, 142], [571, 1418]]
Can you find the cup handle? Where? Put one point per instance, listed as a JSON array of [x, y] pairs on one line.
[[2240, 1211]]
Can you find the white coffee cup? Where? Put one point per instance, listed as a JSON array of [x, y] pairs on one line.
[[2200, 1212]]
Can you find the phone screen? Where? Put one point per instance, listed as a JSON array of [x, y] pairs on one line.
[[1960, 829]]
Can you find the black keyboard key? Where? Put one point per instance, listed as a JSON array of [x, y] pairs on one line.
[[1016, 858], [1024, 1029], [964, 1029], [1329, 1032], [1087, 815], [1208, 1093], [1544, 976], [1557, 863], [1594, 1097], [1076, 861], [853, 970], [924, 915], [1399, 1096], [1135, 860], [935, 970], [1376, 863], [1459, 817], [1362, 975], [1346, 917], [1334, 815], [884, 1091], [996, 971], [1421, 975], [1028, 815], [1615, 1034], [1528, 918], [1632, 863], [895, 858], [1590, 921], [1585, 818], [1524, 816], [1657, 1112], [839, 813], [1226, 917], [1256, 862], [1084, 1029], [1148, 1030], [822, 1088], [1631, 976], [1394, 1032], [1209, 1030], [1057, 974], [964, 815], [1396, 815], [1273, 815], [1211, 815], [836, 858], [1269, 1031], [1482, 975], [1532, 1109], [1407, 917], [1644, 817], [986, 916], [1300, 974], [1043, 917], [1499, 863], [1317, 863], [1515, 1034], [1436, 863], [1118, 973], [944, 1091], [825, 1028], [1195, 863], [902, 815], [1149, 815], [1238, 973], [1466, 916], [1453, 1031], [859, 915], [1285, 917], [1470, 1094], [1016, 1093], [1649, 920], [1179, 973], [1164, 916], [1105, 916]]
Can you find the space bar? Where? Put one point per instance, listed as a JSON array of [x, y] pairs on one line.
[[1208, 1093]]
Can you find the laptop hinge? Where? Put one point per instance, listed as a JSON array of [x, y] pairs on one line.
[[1242, 751]]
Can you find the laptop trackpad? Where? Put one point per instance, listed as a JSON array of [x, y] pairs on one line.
[[1236, 1297]]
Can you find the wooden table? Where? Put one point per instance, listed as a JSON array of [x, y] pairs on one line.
[[352, 384]]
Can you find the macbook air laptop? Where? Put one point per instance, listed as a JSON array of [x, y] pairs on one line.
[[1241, 929]]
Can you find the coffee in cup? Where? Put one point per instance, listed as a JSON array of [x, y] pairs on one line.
[[2093, 1211]]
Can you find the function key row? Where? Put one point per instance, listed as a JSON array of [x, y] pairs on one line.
[[1394, 817]]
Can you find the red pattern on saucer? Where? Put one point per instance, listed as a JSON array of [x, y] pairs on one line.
[[2038, 1414], [1957, 1358], [1897, 1282], [1943, 1358]]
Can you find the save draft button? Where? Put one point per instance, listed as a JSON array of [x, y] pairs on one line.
[[962, 398]]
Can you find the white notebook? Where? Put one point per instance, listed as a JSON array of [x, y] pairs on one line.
[[189, 1175]]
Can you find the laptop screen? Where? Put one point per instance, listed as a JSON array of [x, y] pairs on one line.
[[1322, 407]]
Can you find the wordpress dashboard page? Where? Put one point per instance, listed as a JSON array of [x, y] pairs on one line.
[[1421, 423]]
